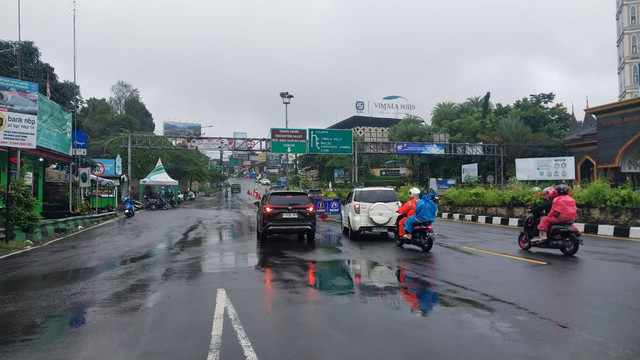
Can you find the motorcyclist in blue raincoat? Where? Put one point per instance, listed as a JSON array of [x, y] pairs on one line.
[[425, 212]]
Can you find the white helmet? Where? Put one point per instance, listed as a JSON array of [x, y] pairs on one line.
[[414, 192]]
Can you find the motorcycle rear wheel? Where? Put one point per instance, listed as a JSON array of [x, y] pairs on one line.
[[571, 246], [523, 242], [426, 243]]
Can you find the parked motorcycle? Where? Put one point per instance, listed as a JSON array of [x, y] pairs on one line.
[[127, 207], [563, 236], [422, 235], [191, 195]]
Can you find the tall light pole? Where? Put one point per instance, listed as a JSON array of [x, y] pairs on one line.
[[286, 100]]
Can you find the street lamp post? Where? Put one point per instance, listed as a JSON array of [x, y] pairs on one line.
[[286, 100]]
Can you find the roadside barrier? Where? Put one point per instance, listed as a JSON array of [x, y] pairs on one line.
[[595, 229], [49, 228]]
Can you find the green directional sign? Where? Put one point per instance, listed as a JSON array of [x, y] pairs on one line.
[[328, 141], [289, 141]]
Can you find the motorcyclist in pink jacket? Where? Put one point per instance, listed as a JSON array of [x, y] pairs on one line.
[[563, 209]]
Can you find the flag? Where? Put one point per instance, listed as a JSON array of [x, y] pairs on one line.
[[84, 177], [48, 88]]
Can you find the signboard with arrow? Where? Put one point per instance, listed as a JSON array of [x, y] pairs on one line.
[[289, 141]]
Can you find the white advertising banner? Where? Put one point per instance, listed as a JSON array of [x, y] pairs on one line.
[[18, 113], [551, 168], [469, 170]]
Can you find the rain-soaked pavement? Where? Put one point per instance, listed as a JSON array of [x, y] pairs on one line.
[[149, 288]]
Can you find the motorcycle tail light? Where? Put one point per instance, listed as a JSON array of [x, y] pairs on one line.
[[356, 208], [575, 228], [268, 209], [430, 228]]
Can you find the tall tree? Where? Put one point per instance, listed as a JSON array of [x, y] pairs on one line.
[[411, 128], [443, 112], [135, 108], [122, 92], [32, 69]]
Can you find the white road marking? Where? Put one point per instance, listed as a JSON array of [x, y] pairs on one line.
[[222, 303]]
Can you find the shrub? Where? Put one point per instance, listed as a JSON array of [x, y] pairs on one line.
[[22, 206]]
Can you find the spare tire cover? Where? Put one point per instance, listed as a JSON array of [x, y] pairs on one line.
[[380, 213]]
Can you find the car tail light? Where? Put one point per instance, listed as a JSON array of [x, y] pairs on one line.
[[356, 208], [268, 209], [310, 209]]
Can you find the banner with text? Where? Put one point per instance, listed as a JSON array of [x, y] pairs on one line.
[[18, 113], [419, 148], [551, 168]]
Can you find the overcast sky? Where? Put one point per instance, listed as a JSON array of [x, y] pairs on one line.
[[223, 63]]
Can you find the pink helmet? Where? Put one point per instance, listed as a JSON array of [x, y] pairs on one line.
[[550, 192]]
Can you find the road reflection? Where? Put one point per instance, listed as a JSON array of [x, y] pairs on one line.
[[291, 266]]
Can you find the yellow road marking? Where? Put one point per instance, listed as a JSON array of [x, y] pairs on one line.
[[509, 256]]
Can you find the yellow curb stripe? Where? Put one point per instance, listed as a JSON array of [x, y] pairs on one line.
[[509, 256]]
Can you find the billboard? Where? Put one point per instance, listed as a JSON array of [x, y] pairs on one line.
[[550, 168], [469, 170], [181, 129], [393, 106], [80, 139], [18, 113], [419, 148], [104, 167]]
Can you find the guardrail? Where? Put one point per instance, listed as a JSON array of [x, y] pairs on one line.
[[50, 228]]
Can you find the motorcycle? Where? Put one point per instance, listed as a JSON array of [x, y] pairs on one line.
[[563, 236], [191, 195], [127, 207], [422, 235]]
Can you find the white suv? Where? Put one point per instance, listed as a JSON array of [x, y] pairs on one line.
[[371, 209]]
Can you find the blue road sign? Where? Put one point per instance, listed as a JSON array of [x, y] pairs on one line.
[[327, 206]]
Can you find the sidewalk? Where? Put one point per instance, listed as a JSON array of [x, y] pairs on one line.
[[595, 229], [53, 230]]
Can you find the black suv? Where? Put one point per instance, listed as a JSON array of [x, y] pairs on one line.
[[286, 212], [235, 188]]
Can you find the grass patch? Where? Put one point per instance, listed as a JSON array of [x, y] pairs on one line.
[[14, 245]]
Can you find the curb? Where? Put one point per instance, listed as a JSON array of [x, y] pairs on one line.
[[594, 229], [49, 228]]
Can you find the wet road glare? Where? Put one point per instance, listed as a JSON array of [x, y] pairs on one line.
[[147, 287]]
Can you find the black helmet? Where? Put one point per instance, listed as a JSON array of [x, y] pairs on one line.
[[562, 189]]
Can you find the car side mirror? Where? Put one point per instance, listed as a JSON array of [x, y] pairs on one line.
[[257, 203]]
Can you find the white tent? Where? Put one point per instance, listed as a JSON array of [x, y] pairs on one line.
[[158, 176]]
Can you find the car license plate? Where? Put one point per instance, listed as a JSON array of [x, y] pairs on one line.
[[380, 228], [290, 215]]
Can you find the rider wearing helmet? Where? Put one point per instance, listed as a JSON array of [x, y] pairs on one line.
[[563, 209], [408, 208], [425, 213], [550, 193]]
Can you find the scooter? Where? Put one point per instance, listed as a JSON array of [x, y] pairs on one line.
[[422, 235], [563, 236], [127, 207]]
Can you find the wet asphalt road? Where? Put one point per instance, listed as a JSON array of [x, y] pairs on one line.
[[146, 288]]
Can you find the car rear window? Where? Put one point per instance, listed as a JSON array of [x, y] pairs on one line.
[[288, 199], [373, 196]]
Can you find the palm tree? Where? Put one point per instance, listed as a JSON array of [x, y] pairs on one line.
[[444, 111], [411, 129], [513, 131]]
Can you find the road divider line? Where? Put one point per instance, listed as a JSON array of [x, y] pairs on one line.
[[222, 303], [509, 256]]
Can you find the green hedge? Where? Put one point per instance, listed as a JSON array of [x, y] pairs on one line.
[[597, 194]]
